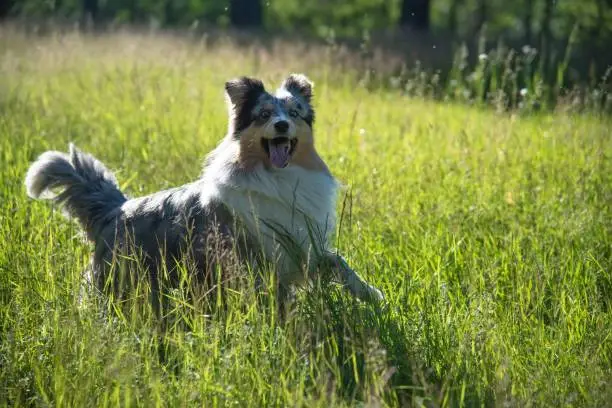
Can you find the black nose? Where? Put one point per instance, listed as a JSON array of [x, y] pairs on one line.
[[281, 126]]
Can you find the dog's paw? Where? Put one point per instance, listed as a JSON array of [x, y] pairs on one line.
[[374, 294]]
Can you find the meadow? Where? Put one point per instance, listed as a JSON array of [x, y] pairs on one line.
[[489, 233]]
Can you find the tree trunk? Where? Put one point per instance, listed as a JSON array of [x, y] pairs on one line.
[[5, 8], [601, 18], [415, 14], [169, 14], [482, 15], [528, 21], [452, 15], [90, 10], [134, 11], [546, 35], [246, 13]]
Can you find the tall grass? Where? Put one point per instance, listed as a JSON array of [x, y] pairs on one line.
[[489, 234]]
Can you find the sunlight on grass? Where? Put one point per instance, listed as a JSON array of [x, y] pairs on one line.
[[489, 235]]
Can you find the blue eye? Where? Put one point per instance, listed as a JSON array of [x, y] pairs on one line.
[[265, 114], [293, 113]]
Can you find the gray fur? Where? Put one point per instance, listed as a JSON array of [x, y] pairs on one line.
[[90, 192], [161, 228]]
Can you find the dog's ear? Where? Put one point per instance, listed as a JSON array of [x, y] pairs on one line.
[[299, 84], [243, 89]]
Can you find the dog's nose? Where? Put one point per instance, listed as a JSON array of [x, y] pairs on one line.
[[282, 126]]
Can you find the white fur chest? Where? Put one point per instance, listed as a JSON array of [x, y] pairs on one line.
[[281, 203]]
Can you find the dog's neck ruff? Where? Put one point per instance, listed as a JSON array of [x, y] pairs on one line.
[[274, 202]]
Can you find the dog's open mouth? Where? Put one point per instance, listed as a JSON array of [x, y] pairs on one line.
[[279, 150]]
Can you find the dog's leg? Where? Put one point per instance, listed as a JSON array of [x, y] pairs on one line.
[[282, 302], [351, 280]]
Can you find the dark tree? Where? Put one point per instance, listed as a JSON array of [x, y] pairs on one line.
[[135, 12], [528, 20], [5, 8], [415, 14], [169, 12], [90, 9], [546, 35], [601, 18], [452, 15], [245, 13], [482, 14]]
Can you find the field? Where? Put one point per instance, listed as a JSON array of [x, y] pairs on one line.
[[490, 235]]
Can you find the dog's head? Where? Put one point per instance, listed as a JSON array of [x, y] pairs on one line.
[[274, 129]]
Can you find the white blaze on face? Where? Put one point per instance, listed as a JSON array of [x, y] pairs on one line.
[[279, 132]]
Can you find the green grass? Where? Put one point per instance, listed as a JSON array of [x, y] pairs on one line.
[[490, 235]]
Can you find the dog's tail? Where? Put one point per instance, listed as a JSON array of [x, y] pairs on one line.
[[87, 189]]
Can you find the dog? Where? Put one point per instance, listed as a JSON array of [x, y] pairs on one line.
[[264, 194]]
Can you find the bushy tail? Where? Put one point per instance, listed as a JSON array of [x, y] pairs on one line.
[[87, 189]]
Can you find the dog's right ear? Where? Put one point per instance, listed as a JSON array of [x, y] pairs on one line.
[[242, 95], [243, 89]]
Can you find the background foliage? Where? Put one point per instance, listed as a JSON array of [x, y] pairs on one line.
[[463, 17], [488, 232], [558, 46]]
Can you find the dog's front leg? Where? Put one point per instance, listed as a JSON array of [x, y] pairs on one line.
[[351, 280]]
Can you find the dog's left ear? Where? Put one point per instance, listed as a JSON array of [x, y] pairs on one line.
[[299, 84]]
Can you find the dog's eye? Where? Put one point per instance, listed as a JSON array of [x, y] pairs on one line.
[[293, 113], [265, 114]]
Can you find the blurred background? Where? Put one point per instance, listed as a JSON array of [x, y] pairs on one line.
[[554, 47]]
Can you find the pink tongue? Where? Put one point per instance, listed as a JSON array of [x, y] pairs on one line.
[[279, 154]]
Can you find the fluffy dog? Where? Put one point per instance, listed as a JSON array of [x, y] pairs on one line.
[[264, 191]]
